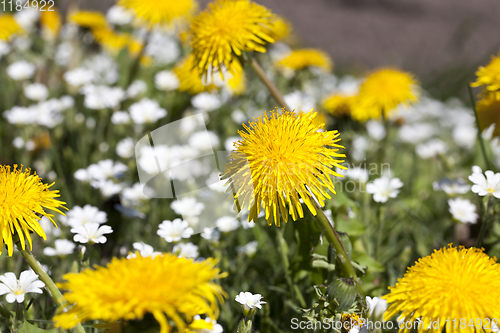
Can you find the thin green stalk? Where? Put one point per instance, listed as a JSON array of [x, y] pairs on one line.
[[380, 231], [479, 136], [135, 66], [333, 239], [55, 293], [484, 223], [269, 84]]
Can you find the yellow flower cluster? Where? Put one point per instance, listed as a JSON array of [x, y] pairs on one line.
[[303, 58]]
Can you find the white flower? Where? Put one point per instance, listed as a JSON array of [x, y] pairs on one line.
[[206, 101], [18, 142], [136, 89], [186, 250], [211, 234], [62, 247], [166, 80], [163, 48], [463, 210], [119, 15], [433, 148], [384, 188], [375, 129], [16, 289], [106, 169], [120, 117], [82, 175], [204, 140], [78, 216], [357, 174], [102, 96], [27, 18], [91, 233], [174, 231], [216, 328], [248, 225], [227, 223], [125, 148], [299, 102], [416, 132], [465, 136], [36, 92], [249, 249], [21, 70], [229, 143], [50, 229], [107, 187], [137, 193], [376, 306], [238, 116], [144, 249], [187, 207], [79, 77], [451, 187], [146, 111], [359, 146], [4, 48], [249, 302], [489, 185]]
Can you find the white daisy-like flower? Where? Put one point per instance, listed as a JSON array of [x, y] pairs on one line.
[[136, 89], [62, 247], [17, 289], [79, 77], [137, 193], [206, 101], [82, 175], [204, 140], [146, 111], [144, 250], [107, 187], [106, 169], [120, 117], [358, 174], [186, 250], [216, 328], [384, 188], [21, 70], [376, 306], [432, 148], [451, 187], [227, 223], [211, 234], [187, 206], [91, 233], [174, 231], [119, 15], [125, 148], [102, 96], [4, 48], [375, 129], [249, 302], [167, 81], [78, 216], [299, 101], [489, 185], [463, 210], [249, 249], [36, 92]]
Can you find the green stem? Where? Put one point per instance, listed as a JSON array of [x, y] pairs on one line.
[[380, 231], [135, 66], [479, 136], [484, 223], [55, 293], [333, 239], [269, 84]]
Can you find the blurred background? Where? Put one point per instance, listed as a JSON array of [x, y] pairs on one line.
[[442, 42]]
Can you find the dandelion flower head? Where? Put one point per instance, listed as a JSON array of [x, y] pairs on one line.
[[160, 12], [489, 76], [304, 58], [8, 27]]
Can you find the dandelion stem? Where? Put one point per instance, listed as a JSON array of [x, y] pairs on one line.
[[269, 84], [479, 136], [55, 293], [333, 239]]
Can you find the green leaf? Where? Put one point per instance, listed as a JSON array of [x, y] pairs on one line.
[[352, 227], [28, 328], [365, 260]]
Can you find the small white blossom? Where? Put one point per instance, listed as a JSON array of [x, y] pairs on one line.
[[119, 15], [78, 216], [204, 140], [146, 111], [384, 188], [120, 117], [136, 89], [206, 101], [102, 96], [211, 234], [17, 289], [489, 185], [463, 210], [174, 231], [358, 174], [249, 249], [144, 250], [249, 302], [36, 92], [375, 129], [21, 70], [107, 187], [186, 250], [125, 148], [79, 77], [376, 306], [227, 223], [299, 101], [166, 80], [62, 247], [451, 187], [187, 207], [91, 233], [433, 148], [106, 169]]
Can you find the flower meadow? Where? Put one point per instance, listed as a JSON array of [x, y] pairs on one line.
[[170, 167]]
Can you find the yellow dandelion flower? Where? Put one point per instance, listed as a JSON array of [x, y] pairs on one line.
[[170, 288], [8, 27], [278, 161], [88, 19], [350, 320], [226, 29], [23, 201], [134, 48], [382, 92], [51, 22], [489, 76], [280, 28], [303, 58], [339, 104], [160, 12], [452, 286], [488, 113], [111, 40], [190, 77]]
